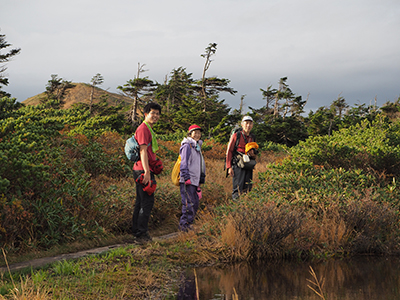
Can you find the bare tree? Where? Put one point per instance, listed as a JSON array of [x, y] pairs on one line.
[[210, 51], [210, 87], [241, 110]]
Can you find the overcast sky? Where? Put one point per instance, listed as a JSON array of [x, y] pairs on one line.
[[349, 48]]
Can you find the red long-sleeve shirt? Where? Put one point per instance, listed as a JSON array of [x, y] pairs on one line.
[[241, 147]]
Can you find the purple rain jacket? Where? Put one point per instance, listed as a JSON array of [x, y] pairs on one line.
[[192, 162]]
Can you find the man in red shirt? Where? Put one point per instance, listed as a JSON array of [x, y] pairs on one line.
[[241, 178], [143, 173]]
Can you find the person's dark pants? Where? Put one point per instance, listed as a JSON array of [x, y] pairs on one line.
[[241, 181], [143, 206], [190, 205]]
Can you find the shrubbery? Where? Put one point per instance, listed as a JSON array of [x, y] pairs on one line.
[[332, 194], [64, 177], [49, 158]]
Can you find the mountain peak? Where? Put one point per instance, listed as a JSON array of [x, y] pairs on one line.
[[80, 93]]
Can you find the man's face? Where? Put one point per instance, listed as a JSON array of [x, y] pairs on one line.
[[247, 126], [152, 117]]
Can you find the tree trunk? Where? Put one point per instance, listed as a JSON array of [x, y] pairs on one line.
[[91, 99], [276, 105], [135, 104]]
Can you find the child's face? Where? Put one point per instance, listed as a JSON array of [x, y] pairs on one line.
[[196, 135]]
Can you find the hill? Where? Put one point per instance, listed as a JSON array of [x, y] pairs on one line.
[[80, 93]]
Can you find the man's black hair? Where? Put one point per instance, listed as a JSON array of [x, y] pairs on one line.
[[151, 105]]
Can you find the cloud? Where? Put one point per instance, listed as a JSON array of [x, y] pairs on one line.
[[324, 48]]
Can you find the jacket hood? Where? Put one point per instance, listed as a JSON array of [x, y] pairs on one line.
[[192, 142]]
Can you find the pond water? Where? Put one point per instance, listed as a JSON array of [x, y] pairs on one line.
[[358, 278]]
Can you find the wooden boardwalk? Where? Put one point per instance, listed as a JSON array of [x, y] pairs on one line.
[[40, 262]]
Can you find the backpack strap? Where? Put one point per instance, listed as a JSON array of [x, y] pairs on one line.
[[240, 133]]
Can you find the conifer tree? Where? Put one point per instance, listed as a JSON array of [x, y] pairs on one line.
[[392, 109], [280, 119], [322, 122], [172, 95], [137, 88], [55, 91], [339, 106], [3, 59], [96, 80], [269, 95]]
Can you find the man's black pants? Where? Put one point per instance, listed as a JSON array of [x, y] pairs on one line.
[[241, 181], [143, 206]]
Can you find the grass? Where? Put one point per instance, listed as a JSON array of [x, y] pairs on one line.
[[153, 269], [137, 272], [316, 284], [133, 272], [24, 290], [258, 226]]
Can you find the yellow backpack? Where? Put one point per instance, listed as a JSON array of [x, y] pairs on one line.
[[175, 174]]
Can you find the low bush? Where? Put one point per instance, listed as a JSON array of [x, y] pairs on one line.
[[331, 196]]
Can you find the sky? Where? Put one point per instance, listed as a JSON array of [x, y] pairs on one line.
[[326, 49]]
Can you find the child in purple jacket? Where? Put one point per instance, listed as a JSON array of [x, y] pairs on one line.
[[192, 174]]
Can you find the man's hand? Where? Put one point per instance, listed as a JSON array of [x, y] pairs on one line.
[[146, 178], [251, 153], [230, 172]]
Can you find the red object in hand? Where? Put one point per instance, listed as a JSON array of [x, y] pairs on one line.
[[148, 188]]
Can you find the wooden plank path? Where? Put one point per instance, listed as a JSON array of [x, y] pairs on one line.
[[40, 262]]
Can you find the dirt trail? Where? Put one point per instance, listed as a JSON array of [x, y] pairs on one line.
[[40, 262]]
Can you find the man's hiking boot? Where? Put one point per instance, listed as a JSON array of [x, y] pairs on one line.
[[143, 239]]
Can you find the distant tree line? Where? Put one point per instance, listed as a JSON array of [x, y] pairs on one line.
[[186, 100]]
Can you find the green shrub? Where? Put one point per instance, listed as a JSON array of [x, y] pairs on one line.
[[46, 172], [370, 147], [332, 194]]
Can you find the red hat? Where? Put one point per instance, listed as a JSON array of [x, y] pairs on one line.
[[194, 127]]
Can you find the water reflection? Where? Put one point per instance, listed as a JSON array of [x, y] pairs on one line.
[[359, 278], [188, 289]]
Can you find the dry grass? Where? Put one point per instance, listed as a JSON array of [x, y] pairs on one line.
[[327, 231], [237, 243], [316, 284], [26, 289]]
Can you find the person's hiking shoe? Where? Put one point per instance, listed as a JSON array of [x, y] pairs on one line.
[[143, 239]]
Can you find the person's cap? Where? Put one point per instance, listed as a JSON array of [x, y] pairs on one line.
[[194, 127], [247, 118]]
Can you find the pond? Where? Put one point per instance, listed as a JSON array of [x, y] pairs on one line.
[[357, 278]]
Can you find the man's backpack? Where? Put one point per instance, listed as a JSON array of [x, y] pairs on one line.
[[132, 151], [238, 132], [175, 174]]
